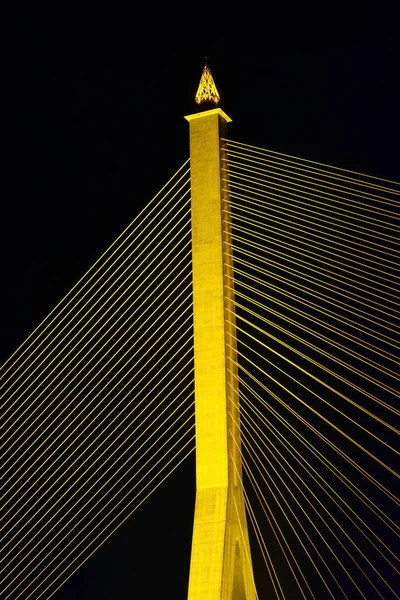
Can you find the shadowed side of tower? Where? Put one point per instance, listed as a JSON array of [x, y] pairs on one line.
[[220, 566]]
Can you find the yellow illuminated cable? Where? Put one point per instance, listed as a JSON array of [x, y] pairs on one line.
[[315, 320], [107, 374], [40, 431], [89, 469], [78, 535], [300, 458], [278, 487], [300, 273], [236, 168], [379, 513], [320, 397], [299, 202], [299, 165], [257, 531], [344, 533], [298, 170], [304, 160], [362, 313], [314, 307], [263, 548], [308, 277], [75, 355], [364, 329], [383, 488], [241, 525], [127, 269], [324, 286], [167, 236], [87, 372], [366, 500], [267, 226], [288, 224], [157, 216], [361, 470], [42, 474], [64, 514], [303, 245], [321, 366], [244, 543], [86, 363], [284, 441], [62, 475], [138, 216], [308, 266], [234, 186], [148, 382], [248, 504], [248, 445], [16, 578], [298, 249], [26, 489], [313, 179], [349, 336], [263, 504], [332, 343], [120, 523], [145, 377]]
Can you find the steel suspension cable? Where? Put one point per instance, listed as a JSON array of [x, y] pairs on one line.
[[266, 164], [26, 597], [148, 383], [371, 263], [310, 254], [236, 169], [239, 188], [253, 453], [311, 472], [363, 329], [108, 351], [328, 240], [307, 266], [348, 483], [97, 481], [101, 258], [371, 455], [315, 320], [304, 160], [170, 239], [335, 359], [332, 445], [374, 320]]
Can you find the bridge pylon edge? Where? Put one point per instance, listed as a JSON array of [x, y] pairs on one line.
[[220, 567]]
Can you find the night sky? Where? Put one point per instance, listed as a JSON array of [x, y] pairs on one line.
[[94, 127]]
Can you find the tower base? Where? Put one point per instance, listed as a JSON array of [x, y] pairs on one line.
[[220, 567]]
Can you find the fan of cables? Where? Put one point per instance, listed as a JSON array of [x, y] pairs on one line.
[[98, 402]]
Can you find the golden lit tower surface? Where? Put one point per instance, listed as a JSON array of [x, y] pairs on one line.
[[220, 567]]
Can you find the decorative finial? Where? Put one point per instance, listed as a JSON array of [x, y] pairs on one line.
[[207, 91]]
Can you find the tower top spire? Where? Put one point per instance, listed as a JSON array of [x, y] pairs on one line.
[[207, 91]]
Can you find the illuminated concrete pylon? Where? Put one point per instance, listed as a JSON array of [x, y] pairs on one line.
[[220, 567]]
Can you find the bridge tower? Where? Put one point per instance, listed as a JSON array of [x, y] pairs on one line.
[[220, 567]]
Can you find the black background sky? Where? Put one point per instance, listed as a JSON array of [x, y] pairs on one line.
[[94, 127]]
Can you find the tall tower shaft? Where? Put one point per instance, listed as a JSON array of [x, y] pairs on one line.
[[220, 566]]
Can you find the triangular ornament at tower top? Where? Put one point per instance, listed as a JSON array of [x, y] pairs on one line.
[[207, 91]]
